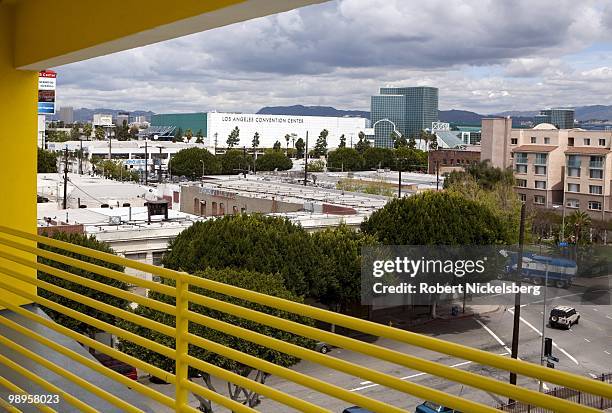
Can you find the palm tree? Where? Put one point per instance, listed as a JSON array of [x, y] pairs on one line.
[[287, 138], [577, 224]]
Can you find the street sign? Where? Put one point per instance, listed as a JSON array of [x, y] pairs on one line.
[[552, 358], [550, 365], [563, 244]]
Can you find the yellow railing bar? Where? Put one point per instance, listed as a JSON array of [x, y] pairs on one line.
[[53, 389], [255, 386], [562, 378], [14, 389], [232, 405], [181, 344], [103, 256], [103, 348], [95, 304], [103, 394], [96, 285], [396, 357], [134, 338], [8, 407], [286, 373], [343, 366], [92, 364], [87, 266]]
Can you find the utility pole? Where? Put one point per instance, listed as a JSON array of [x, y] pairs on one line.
[[146, 165], [437, 176], [65, 177], [110, 146], [81, 157], [399, 182], [244, 156], [216, 135], [306, 160], [517, 296], [160, 164], [542, 352]]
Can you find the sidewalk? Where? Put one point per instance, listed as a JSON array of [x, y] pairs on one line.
[[443, 313]]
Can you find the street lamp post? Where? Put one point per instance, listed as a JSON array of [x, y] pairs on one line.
[[202, 162], [541, 386]]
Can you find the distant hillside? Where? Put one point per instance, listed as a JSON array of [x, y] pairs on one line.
[[301, 110], [460, 116]]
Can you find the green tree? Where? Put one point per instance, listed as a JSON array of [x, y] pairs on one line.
[[233, 160], [87, 130], [287, 139], [270, 284], [399, 140], [411, 142], [345, 159], [577, 227], [189, 134], [188, 162], [320, 148], [257, 243], [433, 143], [116, 170], [60, 318], [410, 159], [47, 162], [234, 138], [277, 146], [199, 137], [57, 136], [75, 133], [134, 132], [342, 143], [255, 141], [123, 132], [339, 249], [273, 160], [436, 218], [300, 146], [99, 133], [486, 176], [362, 144], [179, 135], [378, 158]]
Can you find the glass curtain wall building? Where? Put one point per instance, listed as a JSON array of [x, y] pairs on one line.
[[562, 118], [410, 109]]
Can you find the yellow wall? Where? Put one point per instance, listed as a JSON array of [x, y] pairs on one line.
[[18, 130]]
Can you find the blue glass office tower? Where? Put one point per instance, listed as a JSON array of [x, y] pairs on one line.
[[411, 109], [562, 118]]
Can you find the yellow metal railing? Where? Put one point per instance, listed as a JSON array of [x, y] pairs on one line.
[[14, 243]]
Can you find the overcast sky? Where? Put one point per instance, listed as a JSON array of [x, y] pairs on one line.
[[483, 55]]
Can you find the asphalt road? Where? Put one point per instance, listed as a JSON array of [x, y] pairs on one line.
[[585, 349]]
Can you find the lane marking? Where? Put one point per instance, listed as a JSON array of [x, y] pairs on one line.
[[499, 340], [610, 317], [607, 352], [368, 384], [594, 309], [568, 355], [587, 340], [593, 375]]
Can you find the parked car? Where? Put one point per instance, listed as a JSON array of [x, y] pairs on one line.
[[564, 316], [117, 365], [356, 409], [431, 407]]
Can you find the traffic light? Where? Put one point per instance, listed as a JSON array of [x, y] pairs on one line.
[[548, 343]]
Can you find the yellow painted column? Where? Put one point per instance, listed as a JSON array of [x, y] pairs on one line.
[[18, 140]]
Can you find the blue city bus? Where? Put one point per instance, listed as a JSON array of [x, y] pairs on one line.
[[561, 271]]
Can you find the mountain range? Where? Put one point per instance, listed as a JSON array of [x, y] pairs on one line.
[[583, 113]]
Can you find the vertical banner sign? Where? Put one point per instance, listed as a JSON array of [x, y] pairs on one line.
[[46, 92]]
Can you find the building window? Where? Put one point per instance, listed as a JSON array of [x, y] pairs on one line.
[[587, 141], [221, 208], [157, 258], [602, 142], [596, 162], [521, 183], [214, 208], [137, 256], [570, 141], [574, 172], [547, 141], [595, 205], [540, 158], [596, 173], [540, 170], [523, 197], [572, 203], [514, 141], [573, 187], [533, 139], [540, 184], [595, 189], [521, 158], [521, 169], [539, 199]]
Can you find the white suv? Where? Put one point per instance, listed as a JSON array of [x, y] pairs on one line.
[[564, 316]]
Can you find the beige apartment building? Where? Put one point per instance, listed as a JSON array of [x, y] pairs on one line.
[[553, 167]]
